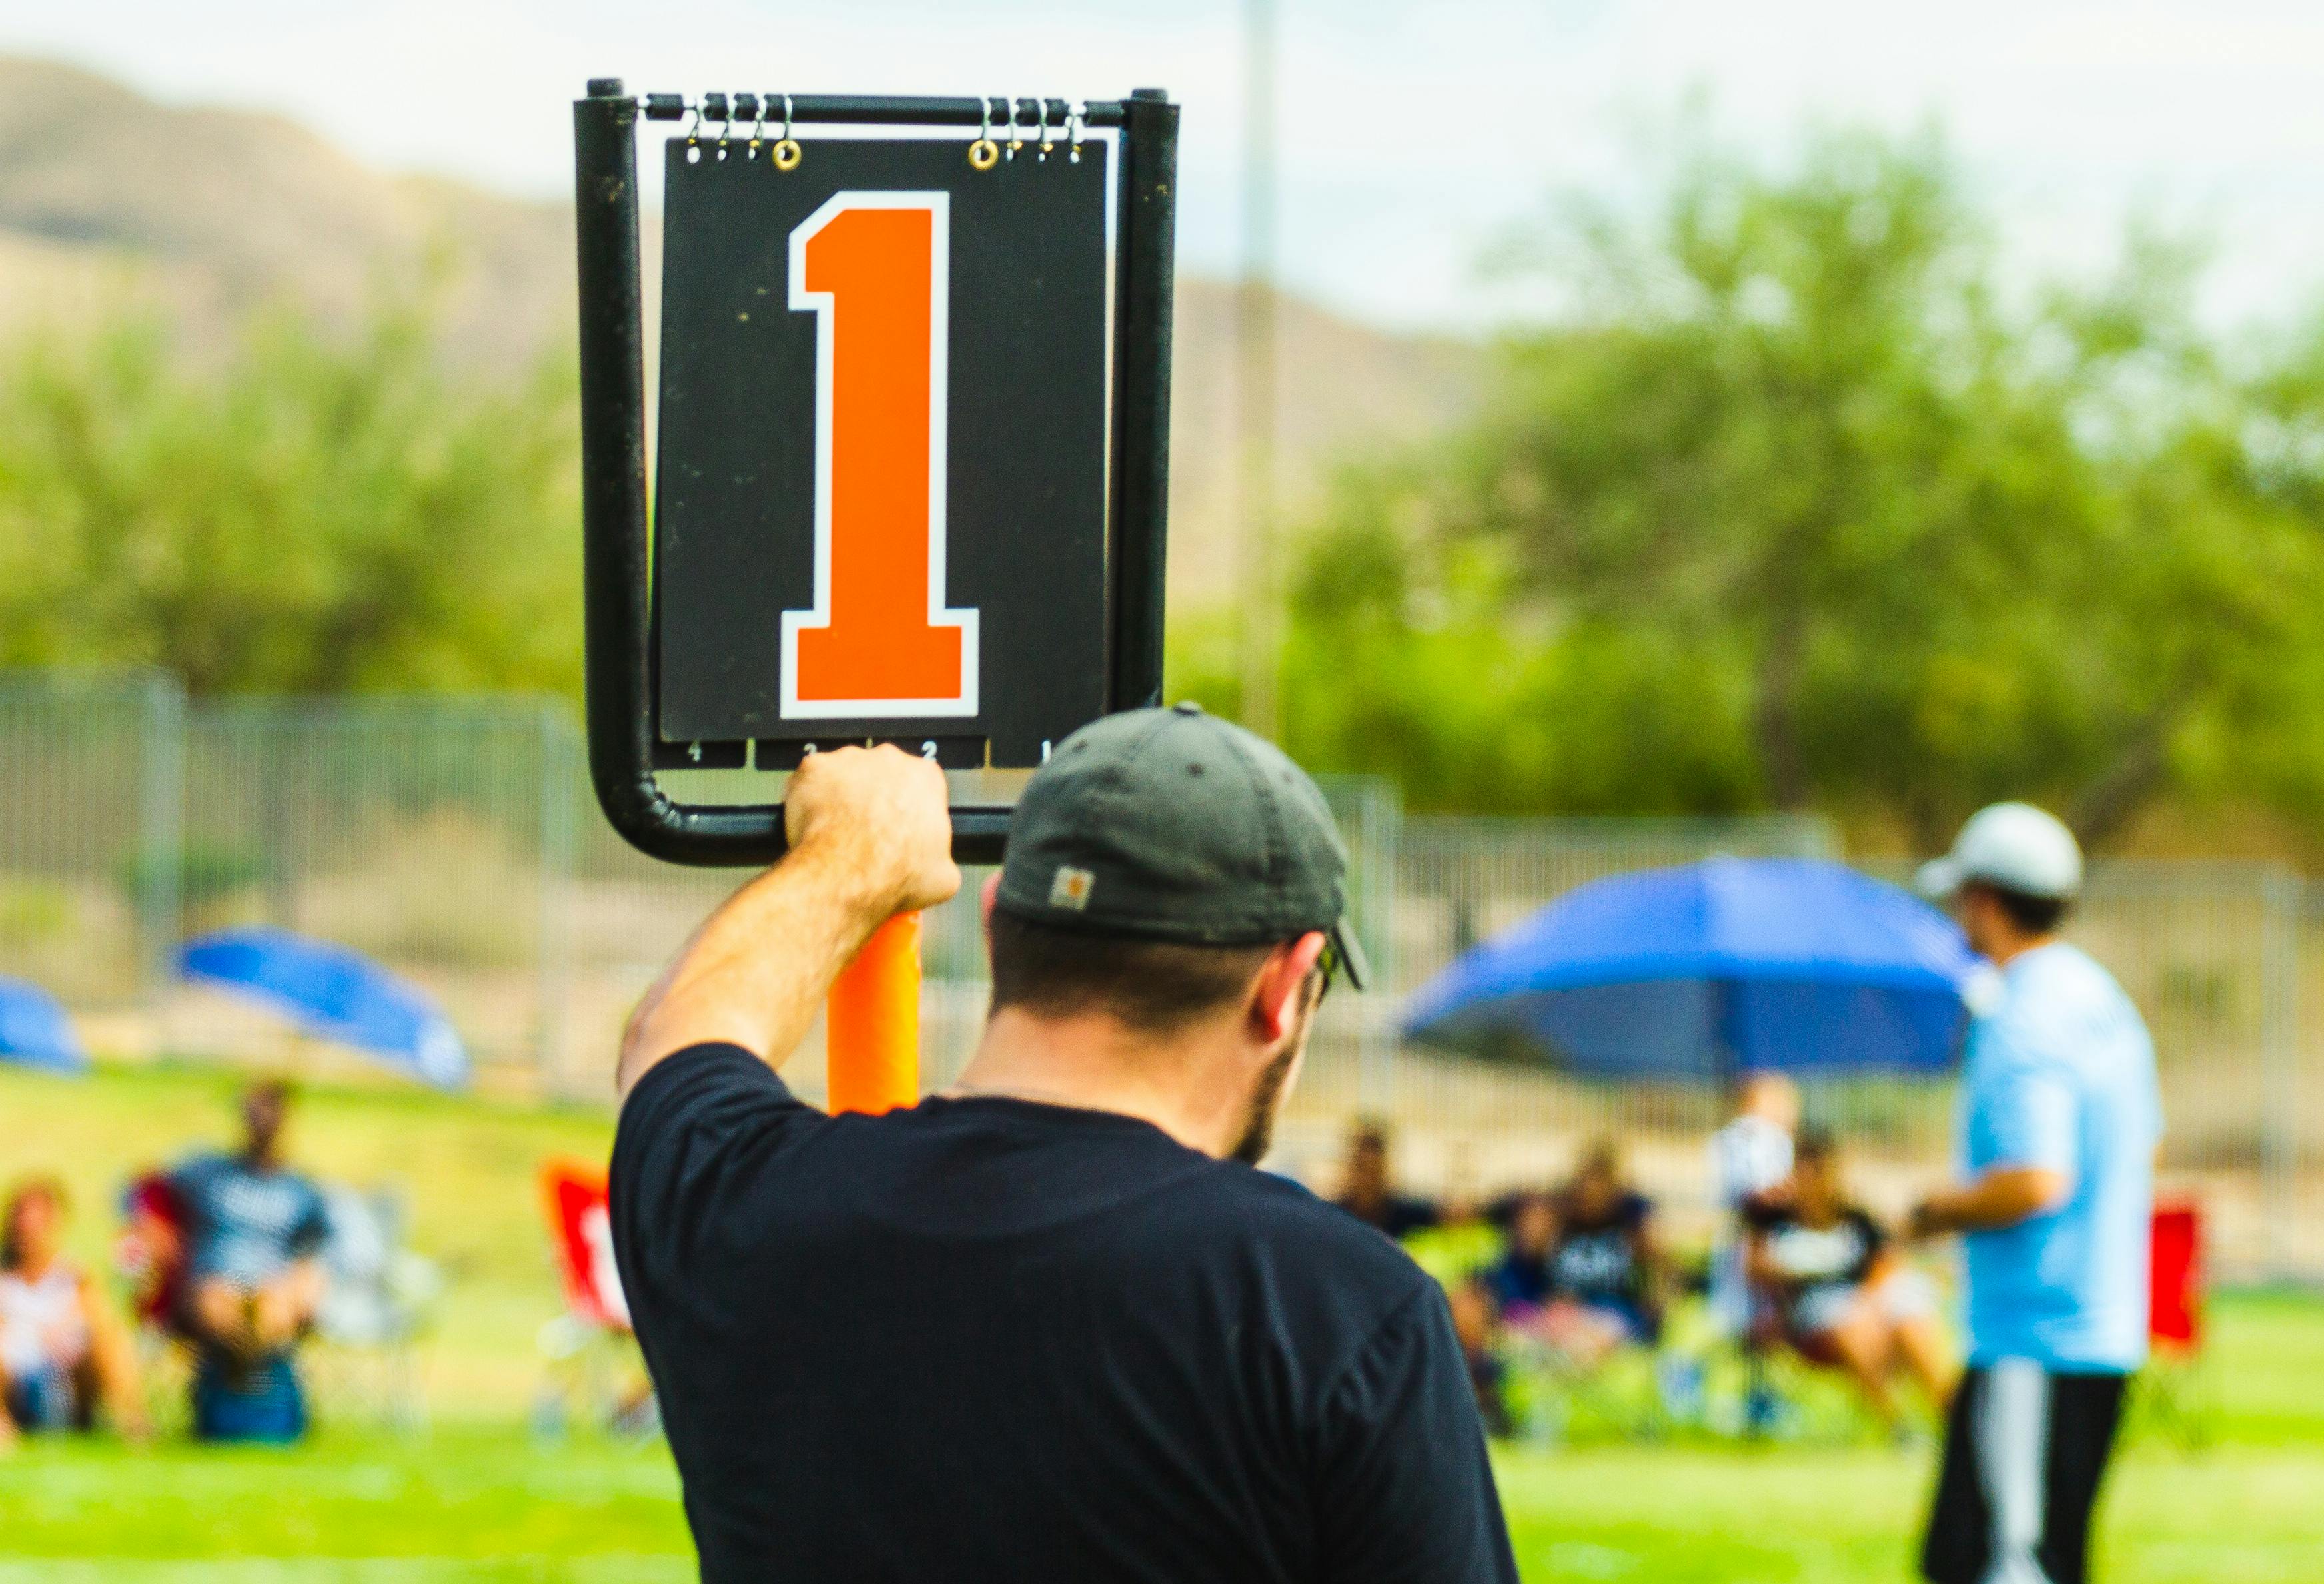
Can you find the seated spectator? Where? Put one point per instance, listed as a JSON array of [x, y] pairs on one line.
[[253, 1230], [63, 1349], [1368, 1193], [1519, 1282], [1605, 1273], [1839, 1293], [1510, 1293], [1473, 1320]]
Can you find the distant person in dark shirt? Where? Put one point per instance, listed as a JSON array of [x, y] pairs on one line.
[[1606, 1271], [1521, 1281], [1513, 1291], [1049, 1324], [1368, 1190], [1840, 1295], [1475, 1321], [253, 1231]]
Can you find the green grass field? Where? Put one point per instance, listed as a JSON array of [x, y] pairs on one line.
[[478, 1498]]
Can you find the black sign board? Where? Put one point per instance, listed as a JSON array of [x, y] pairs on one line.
[[913, 457], [880, 500]]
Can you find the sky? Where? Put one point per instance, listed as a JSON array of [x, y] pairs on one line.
[[1413, 134]]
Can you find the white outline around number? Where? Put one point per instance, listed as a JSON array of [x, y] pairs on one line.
[[820, 303]]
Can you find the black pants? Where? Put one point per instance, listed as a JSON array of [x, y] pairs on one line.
[[2025, 1453]]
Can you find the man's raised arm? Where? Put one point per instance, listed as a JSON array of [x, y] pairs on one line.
[[869, 837]]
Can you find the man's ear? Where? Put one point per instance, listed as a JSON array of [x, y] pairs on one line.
[[984, 899], [1282, 981]]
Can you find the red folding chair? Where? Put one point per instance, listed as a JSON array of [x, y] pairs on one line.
[[574, 1193], [2174, 1390], [593, 1374], [151, 1254]]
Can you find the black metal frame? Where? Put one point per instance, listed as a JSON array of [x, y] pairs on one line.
[[616, 554]]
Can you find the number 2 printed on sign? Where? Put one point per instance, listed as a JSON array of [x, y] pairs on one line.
[[874, 269]]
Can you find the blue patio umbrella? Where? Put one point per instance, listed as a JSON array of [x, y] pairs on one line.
[[34, 1031], [334, 993], [1702, 971]]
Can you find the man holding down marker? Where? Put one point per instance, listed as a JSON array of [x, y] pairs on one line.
[[1049, 1325]]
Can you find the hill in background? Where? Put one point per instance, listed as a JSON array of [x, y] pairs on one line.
[[205, 215]]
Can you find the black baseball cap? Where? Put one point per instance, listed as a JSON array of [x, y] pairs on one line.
[[1175, 825]]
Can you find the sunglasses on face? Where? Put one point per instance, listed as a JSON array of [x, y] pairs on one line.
[[1330, 963]]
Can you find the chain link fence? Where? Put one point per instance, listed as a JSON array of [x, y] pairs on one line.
[[2215, 955], [90, 779], [630, 913], [457, 843], [435, 837]]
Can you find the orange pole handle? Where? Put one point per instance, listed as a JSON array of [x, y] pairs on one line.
[[872, 1023]]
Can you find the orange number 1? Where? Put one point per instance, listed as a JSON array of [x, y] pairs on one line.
[[872, 267]]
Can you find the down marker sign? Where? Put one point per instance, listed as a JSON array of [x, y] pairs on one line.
[[913, 410]]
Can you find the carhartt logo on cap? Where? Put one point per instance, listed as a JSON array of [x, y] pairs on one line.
[[1071, 889]]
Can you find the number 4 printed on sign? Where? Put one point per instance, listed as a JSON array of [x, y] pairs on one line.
[[873, 267]]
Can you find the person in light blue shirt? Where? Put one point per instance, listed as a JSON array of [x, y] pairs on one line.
[[2060, 1119], [2061, 1081]]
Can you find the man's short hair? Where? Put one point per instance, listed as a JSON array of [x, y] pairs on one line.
[[2036, 915], [1154, 986]]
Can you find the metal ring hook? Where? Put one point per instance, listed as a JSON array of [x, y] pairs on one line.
[[983, 154], [788, 153], [1073, 130], [758, 129], [1014, 142], [694, 135], [1041, 108]]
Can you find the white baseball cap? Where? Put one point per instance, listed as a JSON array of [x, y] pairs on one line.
[[2014, 845]]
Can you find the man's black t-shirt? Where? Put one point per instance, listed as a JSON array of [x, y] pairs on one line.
[[985, 1339]]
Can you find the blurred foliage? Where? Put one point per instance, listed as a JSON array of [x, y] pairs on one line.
[[324, 513], [200, 874], [1797, 504], [32, 911]]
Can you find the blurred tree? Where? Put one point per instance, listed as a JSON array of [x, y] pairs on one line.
[[1789, 509], [321, 514]]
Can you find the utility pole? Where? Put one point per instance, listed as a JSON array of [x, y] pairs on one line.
[[1255, 382]]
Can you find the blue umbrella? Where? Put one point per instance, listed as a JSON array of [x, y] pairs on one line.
[[34, 1031], [1701, 972], [333, 993]]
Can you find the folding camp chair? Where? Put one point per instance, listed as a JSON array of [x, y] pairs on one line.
[[378, 1303], [1760, 1390], [148, 1256], [2174, 1391], [587, 1349], [1633, 1393], [1622, 1396]]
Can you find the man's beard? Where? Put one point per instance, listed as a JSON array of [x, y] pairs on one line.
[[1259, 1126]]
